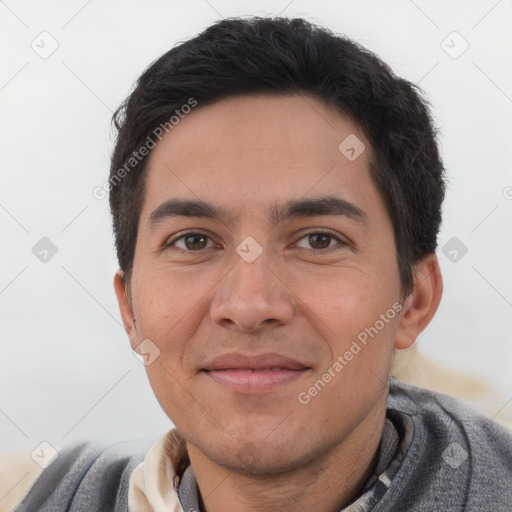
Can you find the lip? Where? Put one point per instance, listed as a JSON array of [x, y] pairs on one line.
[[255, 373]]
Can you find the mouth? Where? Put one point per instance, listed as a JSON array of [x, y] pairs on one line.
[[252, 374]]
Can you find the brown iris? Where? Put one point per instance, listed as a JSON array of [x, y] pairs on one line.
[[195, 241], [319, 240]]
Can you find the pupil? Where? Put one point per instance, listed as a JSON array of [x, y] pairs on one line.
[[320, 239], [199, 241]]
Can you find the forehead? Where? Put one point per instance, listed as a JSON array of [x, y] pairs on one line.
[[254, 151]]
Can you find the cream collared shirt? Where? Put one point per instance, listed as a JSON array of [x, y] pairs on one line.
[[154, 484]]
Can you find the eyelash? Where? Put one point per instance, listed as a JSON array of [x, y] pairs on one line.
[[332, 234]]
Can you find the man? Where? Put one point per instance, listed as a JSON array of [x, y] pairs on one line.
[[276, 196]]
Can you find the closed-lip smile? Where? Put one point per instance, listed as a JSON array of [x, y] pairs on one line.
[[254, 373]]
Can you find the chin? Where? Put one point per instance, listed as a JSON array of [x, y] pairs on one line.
[[251, 461], [263, 455]]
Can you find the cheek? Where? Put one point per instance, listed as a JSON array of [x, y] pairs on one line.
[[356, 321], [342, 301], [168, 302], [168, 318]]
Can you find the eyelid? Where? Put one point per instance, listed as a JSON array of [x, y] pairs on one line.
[[182, 234], [325, 231]]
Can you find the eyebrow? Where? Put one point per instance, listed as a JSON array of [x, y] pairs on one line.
[[318, 206], [300, 208]]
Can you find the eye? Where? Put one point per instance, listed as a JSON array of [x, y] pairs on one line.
[[319, 240], [191, 242]]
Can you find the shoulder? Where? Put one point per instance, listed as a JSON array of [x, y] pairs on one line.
[[457, 455], [453, 413], [90, 472], [445, 416]]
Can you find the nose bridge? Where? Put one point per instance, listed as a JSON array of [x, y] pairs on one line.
[[253, 278], [251, 295]]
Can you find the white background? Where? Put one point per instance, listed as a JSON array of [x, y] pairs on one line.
[[67, 371]]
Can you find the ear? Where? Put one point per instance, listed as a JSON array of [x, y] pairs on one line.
[[126, 308], [422, 303]]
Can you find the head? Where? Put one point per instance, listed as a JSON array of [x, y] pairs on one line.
[[276, 196]]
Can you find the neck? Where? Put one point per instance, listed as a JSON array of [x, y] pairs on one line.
[[327, 484]]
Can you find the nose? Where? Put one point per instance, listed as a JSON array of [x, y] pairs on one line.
[[252, 297]]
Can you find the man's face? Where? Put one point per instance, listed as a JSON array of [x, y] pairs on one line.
[[278, 320]]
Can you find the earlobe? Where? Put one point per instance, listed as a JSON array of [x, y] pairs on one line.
[[125, 307], [421, 305]]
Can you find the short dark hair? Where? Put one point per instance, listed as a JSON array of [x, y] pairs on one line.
[[284, 56]]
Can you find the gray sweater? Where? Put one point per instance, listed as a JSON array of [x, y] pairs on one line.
[[436, 454]]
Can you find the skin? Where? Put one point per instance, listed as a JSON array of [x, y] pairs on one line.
[[266, 450]]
